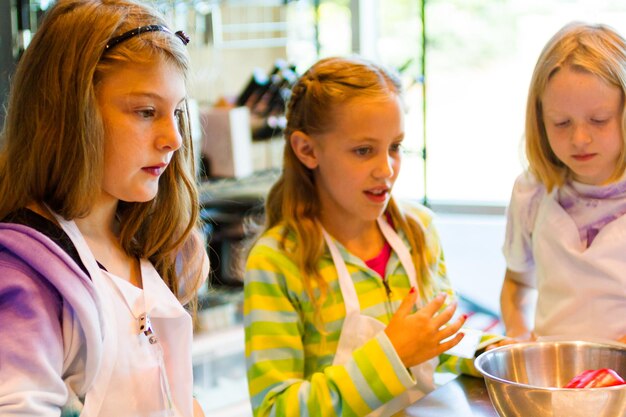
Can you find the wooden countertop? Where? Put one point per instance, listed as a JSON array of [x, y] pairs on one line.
[[464, 396]]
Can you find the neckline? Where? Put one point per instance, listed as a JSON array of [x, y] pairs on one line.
[[133, 296], [379, 262]]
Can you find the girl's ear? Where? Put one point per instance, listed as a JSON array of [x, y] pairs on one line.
[[304, 147]]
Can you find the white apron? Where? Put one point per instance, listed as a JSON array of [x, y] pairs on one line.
[[581, 291], [170, 323], [358, 328]]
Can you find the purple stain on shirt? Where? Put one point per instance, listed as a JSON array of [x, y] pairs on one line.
[[592, 207]]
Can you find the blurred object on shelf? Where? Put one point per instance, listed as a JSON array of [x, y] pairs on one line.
[[218, 192], [196, 132], [219, 308], [268, 154], [258, 81], [256, 114], [266, 96], [233, 212], [227, 141], [229, 226]]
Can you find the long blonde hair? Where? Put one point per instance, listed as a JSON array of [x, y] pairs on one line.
[[54, 135], [594, 49], [293, 199]]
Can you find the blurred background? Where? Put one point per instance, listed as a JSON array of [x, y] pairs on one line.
[[475, 68], [465, 64]]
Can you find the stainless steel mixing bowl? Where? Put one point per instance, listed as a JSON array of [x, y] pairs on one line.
[[525, 379]]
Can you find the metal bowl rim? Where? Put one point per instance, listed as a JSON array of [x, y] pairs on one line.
[[520, 385], [521, 345]]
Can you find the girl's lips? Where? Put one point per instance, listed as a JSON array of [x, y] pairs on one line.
[[378, 196], [156, 170], [584, 157]]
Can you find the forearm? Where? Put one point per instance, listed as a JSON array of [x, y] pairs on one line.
[[517, 304]]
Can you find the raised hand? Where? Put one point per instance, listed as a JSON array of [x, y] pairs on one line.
[[417, 337]]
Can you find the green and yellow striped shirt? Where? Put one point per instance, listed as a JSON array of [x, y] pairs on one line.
[[289, 361]]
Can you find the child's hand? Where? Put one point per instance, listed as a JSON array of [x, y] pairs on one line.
[[417, 336], [503, 342], [528, 337]]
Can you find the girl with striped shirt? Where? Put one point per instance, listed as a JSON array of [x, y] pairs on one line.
[[347, 303]]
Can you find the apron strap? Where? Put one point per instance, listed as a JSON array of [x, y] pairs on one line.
[[95, 395], [348, 291], [400, 249]]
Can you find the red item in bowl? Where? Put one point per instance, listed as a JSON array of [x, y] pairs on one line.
[[596, 378]]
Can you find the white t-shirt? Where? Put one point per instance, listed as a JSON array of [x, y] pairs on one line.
[[590, 207]]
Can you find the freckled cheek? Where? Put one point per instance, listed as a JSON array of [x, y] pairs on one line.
[[557, 140], [558, 147]]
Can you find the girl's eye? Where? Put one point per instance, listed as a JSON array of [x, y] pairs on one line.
[[564, 123], [146, 113], [599, 121], [363, 151], [396, 147]]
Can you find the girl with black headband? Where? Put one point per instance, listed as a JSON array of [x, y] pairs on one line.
[[99, 246]]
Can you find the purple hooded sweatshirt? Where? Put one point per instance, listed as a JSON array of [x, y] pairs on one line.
[[50, 326]]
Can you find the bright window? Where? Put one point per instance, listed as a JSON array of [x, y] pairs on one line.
[[479, 60]]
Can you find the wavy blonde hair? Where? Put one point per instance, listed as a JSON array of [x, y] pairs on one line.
[[293, 199], [53, 137], [591, 48]]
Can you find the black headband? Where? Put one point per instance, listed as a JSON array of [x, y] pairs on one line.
[[143, 29]]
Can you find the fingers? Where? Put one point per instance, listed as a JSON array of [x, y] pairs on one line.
[[407, 304], [442, 318], [452, 328], [504, 342], [426, 333], [450, 334], [449, 344], [434, 305]]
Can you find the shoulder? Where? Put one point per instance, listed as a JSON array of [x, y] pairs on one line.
[[526, 197], [36, 222], [271, 251], [527, 188], [521, 217], [270, 267], [278, 239], [26, 295], [418, 212], [424, 218], [25, 248], [22, 284]]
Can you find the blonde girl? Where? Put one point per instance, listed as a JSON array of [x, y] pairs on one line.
[[332, 285], [564, 240]]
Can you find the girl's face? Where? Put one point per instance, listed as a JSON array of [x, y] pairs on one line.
[[358, 161], [140, 106], [583, 119]]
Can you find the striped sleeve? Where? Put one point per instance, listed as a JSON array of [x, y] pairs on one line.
[[280, 381], [458, 365]]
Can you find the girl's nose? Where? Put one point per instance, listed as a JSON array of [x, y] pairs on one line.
[[170, 137], [385, 167], [580, 135]]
